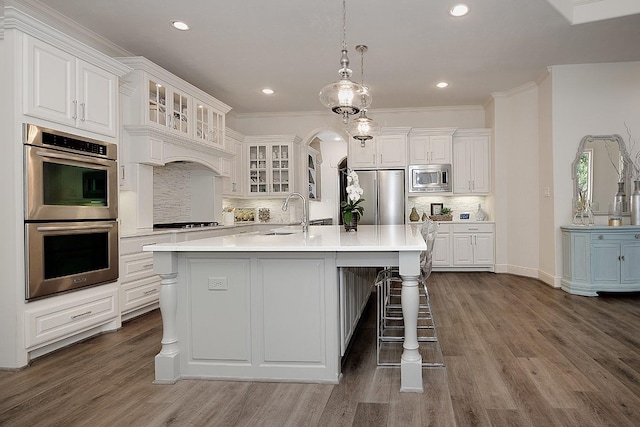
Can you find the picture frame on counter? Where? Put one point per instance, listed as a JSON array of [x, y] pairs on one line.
[[436, 208]]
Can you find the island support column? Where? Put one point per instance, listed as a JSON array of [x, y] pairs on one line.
[[167, 362], [411, 362]]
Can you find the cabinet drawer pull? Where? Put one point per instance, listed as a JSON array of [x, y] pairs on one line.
[[75, 109], [148, 265], [600, 237], [80, 315], [150, 291], [83, 111], [472, 229], [637, 236]]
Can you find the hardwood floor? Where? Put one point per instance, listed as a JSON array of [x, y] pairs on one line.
[[517, 353]]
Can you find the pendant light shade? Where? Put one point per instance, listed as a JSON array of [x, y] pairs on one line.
[[363, 128], [345, 97]]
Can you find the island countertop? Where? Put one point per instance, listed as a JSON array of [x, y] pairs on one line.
[[318, 239]]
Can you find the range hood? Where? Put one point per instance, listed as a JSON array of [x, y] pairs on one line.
[[157, 147]]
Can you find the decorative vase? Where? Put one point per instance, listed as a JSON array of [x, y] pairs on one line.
[[481, 215], [620, 199], [634, 201], [353, 224], [414, 215]]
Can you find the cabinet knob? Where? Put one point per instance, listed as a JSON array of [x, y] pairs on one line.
[[600, 237], [637, 236]]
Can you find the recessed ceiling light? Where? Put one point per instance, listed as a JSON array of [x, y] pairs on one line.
[[459, 10], [267, 91], [442, 85], [179, 25]]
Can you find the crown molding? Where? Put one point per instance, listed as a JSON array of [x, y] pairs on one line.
[[373, 111], [53, 18], [16, 19]]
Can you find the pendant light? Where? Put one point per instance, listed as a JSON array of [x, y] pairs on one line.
[[363, 128], [345, 97]]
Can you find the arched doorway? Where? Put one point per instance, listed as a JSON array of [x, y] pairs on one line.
[[330, 148]]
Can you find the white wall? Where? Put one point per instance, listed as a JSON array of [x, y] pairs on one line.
[[591, 99], [546, 243], [516, 173]]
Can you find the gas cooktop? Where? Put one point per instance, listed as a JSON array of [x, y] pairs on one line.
[[197, 224]]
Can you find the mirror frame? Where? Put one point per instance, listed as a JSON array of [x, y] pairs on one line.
[[626, 165]]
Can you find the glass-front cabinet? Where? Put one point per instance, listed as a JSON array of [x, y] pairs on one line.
[[269, 169], [280, 169], [258, 169], [208, 123], [157, 103], [173, 114], [270, 166]]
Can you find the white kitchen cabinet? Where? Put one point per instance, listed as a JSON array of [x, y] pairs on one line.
[[67, 90], [387, 150], [208, 123], [441, 256], [168, 107], [430, 146], [600, 258], [169, 119], [232, 183], [271, 165], [139, 286], [473, 244], [57, 318], [471, 162]]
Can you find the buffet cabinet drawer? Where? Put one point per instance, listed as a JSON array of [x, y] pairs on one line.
[[136, 266], [57, 321], [615, 236], [134, 244], [139, 293]]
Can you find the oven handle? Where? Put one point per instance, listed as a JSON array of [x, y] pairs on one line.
[[83, 159], [74, 227]]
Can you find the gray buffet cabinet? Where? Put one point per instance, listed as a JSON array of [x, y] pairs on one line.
[[600, 259]]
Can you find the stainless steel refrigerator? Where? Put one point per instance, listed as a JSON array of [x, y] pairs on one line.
[[384, 196]]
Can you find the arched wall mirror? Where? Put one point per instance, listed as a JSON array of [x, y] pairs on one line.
[[602, 161]]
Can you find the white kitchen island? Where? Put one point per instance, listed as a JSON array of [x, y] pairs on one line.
[[262, 306]]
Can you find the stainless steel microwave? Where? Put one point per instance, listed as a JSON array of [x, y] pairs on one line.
[[429, 178]]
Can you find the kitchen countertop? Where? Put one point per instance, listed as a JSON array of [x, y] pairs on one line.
[[319, 238], [238, 225]]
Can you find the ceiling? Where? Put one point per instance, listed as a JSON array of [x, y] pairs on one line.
[[236, 48]]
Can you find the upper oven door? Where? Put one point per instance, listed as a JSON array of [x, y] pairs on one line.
[[66, 186]]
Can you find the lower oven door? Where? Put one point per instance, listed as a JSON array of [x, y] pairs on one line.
[[62, 256]]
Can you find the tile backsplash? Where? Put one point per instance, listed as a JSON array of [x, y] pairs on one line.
[[277, 215], [457, 204], [172, 193]]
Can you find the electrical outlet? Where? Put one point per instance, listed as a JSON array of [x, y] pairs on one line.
[[217, 283]]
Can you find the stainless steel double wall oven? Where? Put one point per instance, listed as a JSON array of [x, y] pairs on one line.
[[71, 211]]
